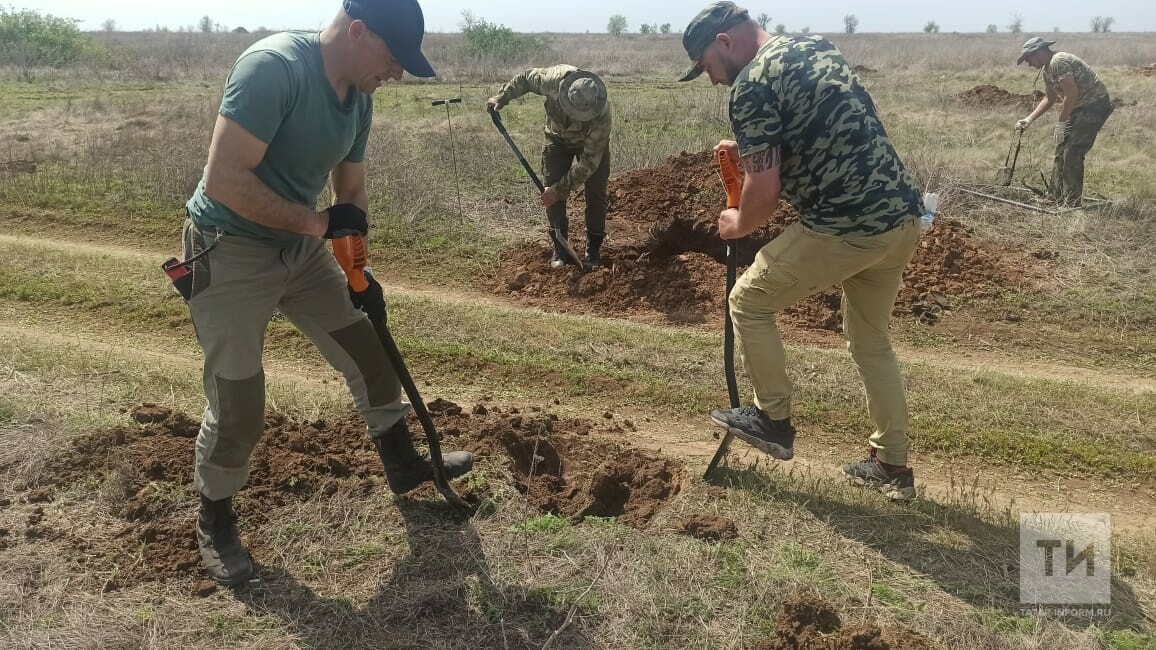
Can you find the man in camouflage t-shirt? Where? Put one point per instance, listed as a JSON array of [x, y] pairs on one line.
[[577, 151], [807, 131], [1086, 106]]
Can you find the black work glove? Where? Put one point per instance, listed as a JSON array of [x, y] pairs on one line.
[[345, 218], [372, 300]]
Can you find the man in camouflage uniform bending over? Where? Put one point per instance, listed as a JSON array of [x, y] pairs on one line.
[[577, 127], [1086, 106], [807, 131]]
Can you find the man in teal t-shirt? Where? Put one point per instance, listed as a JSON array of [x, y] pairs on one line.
[[295, 116]]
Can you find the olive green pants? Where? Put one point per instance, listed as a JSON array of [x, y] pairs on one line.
[[1068, 170], [235, 290], [557, 159], [801, 262]]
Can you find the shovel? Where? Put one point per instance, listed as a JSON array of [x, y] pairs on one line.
[[1004, 177], [733, 184], [555, 232], [349, 249]]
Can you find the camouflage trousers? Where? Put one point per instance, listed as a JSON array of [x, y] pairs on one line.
[[556, 161], [1068, 172], [801, 262]]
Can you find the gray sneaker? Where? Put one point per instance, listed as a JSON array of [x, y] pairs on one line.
[[897, 484], [748, 423]]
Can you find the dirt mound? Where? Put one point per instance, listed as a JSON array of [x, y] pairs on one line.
[[989, 96], [667, 263], [147, 473], [1148, 70], [809, 623], [708, 527]]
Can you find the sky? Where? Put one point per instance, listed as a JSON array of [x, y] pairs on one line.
[[592, 15]]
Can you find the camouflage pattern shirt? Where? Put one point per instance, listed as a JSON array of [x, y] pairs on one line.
[[592, 137], [1064, 65], [838, 167]]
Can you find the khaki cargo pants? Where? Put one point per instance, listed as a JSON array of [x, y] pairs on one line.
[[234, 292], [801, 262], [1068, 171]]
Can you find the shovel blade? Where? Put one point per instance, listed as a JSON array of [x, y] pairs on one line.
[[1004, 177]]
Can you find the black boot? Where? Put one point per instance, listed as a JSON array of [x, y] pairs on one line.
[[405, 468], [593, 251], [225, 558], [561, 257]]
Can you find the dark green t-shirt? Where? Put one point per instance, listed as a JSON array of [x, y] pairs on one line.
[[277, 91], [838, 167]]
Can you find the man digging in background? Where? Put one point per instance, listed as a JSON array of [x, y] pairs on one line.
[[1086, 107], [296, 112], [807, 131], [577, 127]]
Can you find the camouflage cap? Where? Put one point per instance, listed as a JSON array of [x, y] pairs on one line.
[[1034, 44], [715, 19]]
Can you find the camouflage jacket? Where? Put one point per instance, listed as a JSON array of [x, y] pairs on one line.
[[1065, 65], [838, 168], [592, 137]]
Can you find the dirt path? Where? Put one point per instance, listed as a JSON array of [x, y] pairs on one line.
[[1133, 508], [964, 360], [692, 439]]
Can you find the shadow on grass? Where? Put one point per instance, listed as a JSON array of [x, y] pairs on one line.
[[968, 548], [441, 595]]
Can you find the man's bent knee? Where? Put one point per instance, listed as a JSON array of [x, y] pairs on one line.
[[240, 422]]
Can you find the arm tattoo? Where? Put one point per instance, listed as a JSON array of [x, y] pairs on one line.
[[762, 161]]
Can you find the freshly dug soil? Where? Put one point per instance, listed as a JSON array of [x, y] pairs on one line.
[[807, 622], [989, 96], [709, 527], [667, 263], [147, 469]]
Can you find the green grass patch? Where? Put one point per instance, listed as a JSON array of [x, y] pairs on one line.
[[547, 523]]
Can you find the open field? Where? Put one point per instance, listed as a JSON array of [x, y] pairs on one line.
[[1032, 391]]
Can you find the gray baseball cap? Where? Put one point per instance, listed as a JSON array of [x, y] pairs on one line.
[[715, 19], [1034, 44]]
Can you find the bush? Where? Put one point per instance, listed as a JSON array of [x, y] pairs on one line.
[[487, 39], [30, 39]]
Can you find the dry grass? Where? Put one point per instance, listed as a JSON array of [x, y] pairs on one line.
[[114, 163]]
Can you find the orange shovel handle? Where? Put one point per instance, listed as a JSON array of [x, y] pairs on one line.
[[350, 253], [732, 178]]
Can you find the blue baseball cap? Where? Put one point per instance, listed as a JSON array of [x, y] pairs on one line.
[[400, 24]]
